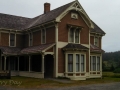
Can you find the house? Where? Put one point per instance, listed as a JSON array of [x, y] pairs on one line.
[[63, 42]]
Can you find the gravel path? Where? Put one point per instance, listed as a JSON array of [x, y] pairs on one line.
[[110, 86]]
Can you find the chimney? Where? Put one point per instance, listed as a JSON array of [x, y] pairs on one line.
[[46, 7]]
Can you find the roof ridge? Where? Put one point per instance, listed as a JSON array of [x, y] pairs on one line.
[[15, 15]]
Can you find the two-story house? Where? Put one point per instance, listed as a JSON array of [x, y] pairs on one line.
[[63, 42]]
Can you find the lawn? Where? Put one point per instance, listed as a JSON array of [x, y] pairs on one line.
[[25, 82]]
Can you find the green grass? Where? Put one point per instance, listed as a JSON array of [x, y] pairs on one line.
[[108, 77]]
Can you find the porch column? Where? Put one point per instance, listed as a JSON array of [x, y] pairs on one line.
[[5, 62], [66, 64], [18, 63], [42, 63], [0, 62], [29, 63]]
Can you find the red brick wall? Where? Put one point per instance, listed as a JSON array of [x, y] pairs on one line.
[[26, 40], [50, 35], [61, 61], [50, 50], [19, 40], [92, 40], [37, 38], [4, 39], [63, 29]]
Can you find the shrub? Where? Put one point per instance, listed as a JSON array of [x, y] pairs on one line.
[[117, 70]]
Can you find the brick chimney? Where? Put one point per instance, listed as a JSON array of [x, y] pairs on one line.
[[46, 7]]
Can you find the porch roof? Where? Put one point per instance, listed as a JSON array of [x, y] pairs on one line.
[[29, 50], [94, 48], [72, 46]]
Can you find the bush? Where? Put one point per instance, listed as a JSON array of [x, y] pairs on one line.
[[117, 70]]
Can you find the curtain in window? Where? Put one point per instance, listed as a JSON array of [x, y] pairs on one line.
[[70, 62], [71, 37], [82, 63], [77, 63], [77, 36], [98, 63]]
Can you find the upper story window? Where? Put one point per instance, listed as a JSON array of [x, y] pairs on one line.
[[74, 35], [30, 39], [43, 36], [12, 39], [96, 41], [74, 15]]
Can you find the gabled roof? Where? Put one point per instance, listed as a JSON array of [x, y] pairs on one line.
[[49, 16], [13, 22], [97, 29], [22, 23]]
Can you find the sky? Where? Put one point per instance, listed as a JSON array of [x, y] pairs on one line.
[[105, 13]]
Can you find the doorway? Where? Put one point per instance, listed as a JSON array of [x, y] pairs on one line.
[[49, 66]]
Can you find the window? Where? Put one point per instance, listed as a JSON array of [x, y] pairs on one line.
[[43, 36], [30, 39], [12, 39], [82, 63], [70, 62], [98, 63], [96, 42], [74, 35], [95, 63], [77, 63], [71, 35]]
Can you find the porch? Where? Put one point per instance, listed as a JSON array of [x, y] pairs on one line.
[[35, 64]]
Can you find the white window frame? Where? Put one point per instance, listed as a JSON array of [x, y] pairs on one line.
[[97, 41], [91, 63], [74, 62], [14, 40], [31, 41], [42, 37], [73, 36]]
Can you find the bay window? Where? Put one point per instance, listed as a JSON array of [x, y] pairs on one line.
[[95, 63], [78, 63]]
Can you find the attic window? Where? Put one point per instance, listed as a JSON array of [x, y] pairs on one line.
[[74, 15]]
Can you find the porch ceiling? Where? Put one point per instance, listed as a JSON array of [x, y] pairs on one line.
[[29, 50]]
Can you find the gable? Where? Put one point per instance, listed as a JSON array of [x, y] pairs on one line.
[[76, 7]]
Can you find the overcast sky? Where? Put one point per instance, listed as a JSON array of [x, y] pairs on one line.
[[105, 13]]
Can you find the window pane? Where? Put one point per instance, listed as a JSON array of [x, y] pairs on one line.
[[77, 63], [94, 63], [82, 63], [98, 63], [70, 62], [77, 36], [30, 37], [71, 35], [12, 39]]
